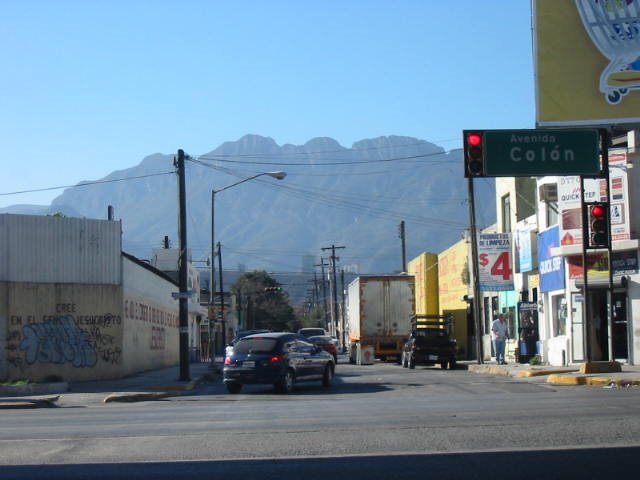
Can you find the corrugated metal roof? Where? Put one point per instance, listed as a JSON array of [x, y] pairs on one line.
[[49, 249]]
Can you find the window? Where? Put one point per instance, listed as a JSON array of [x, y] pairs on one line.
[[506, 213]]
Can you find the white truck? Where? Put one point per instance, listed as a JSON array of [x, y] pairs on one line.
[[380, 309]]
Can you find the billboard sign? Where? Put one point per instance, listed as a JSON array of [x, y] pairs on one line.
[[587, 67], [495, 262]]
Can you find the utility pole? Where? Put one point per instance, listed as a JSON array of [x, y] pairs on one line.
[[334, 290], [402, 241], [183, 295], [222, 319], [342, 341], [324, 290]]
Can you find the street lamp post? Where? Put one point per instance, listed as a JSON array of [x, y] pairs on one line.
[[277, 176]]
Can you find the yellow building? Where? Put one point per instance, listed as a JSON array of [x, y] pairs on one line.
[[452, 287], [425, 270]]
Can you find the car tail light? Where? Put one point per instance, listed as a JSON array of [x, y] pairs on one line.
[[275, 359], [227, 361]]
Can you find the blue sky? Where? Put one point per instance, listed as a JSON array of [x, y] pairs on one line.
[[89, 87]]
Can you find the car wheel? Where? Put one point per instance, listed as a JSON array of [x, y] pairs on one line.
[[286, 384], [412, 363], [327, 377], [444, 364], [234, 388]]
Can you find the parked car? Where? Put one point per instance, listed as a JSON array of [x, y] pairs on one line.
[[429, 346], [327, 343], [280, 358], [312, 332]]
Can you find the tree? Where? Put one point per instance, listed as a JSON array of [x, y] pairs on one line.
[[262, 303]]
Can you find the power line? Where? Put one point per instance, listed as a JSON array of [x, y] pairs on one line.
[[86, 184]]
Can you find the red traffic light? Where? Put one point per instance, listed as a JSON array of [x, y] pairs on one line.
[[474, 139], [597, 211]]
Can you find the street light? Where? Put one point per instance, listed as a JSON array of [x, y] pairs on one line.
[[277, 176]]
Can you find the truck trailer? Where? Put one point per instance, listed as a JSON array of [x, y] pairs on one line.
[[379, 313]]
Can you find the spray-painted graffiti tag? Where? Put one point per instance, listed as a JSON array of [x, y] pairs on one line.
[[58, 340]]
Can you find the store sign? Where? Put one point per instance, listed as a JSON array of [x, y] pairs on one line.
[[495, 262], [623, 263], [551, 268]]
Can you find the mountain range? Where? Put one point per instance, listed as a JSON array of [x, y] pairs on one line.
[[332, 195]]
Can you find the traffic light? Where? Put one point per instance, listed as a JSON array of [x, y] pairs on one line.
[[473, 153], [598, 225]]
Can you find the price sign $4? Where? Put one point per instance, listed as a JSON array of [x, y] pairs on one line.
[[501, 266]]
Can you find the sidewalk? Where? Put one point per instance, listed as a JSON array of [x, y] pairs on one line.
[[592, 373], [150, 385]]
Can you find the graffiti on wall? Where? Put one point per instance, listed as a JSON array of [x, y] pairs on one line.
[[58, 340], [65, 338]]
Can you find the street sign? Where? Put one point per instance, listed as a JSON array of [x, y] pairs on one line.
[[534, 153]]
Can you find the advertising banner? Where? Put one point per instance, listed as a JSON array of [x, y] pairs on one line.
[[595, 191], [525, 259], [551, 268], [587, 65], [624, 263], [495, 262]]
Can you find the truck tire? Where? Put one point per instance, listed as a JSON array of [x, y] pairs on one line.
[[234, 388]]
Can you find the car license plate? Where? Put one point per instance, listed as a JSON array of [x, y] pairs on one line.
[[433, 357], [249, 364]]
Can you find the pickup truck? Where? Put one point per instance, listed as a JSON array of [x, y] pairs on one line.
[[430, 343]]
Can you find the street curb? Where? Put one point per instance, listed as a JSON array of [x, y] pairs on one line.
[[540, 373], [137, 397], [33, 389], [489, 370], [25, 403], [164, 391], [593, 381]]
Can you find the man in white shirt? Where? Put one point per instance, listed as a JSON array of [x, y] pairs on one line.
[[499, 335]]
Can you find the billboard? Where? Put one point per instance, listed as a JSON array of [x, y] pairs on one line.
[[494, 262], [587, 62]]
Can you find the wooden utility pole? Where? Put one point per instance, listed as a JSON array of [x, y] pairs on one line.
[[334, 289], [183, 295]]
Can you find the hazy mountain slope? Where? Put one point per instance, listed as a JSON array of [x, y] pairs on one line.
[[353, 197]]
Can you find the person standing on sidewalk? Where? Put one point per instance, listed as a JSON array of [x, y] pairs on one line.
[[499, 335]]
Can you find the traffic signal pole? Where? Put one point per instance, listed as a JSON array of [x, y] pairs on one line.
[[477, 317]]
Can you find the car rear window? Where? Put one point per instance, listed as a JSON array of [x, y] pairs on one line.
[[432, 333], [311, 332], [255, 345]]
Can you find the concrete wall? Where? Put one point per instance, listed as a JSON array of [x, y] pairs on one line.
[[69, 331], [150, 337]]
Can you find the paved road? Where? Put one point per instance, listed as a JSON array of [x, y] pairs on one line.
[[373, 416]]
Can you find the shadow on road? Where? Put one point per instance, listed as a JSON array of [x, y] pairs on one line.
[[576, 464]]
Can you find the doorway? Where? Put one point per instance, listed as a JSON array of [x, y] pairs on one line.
[[608, 344]]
